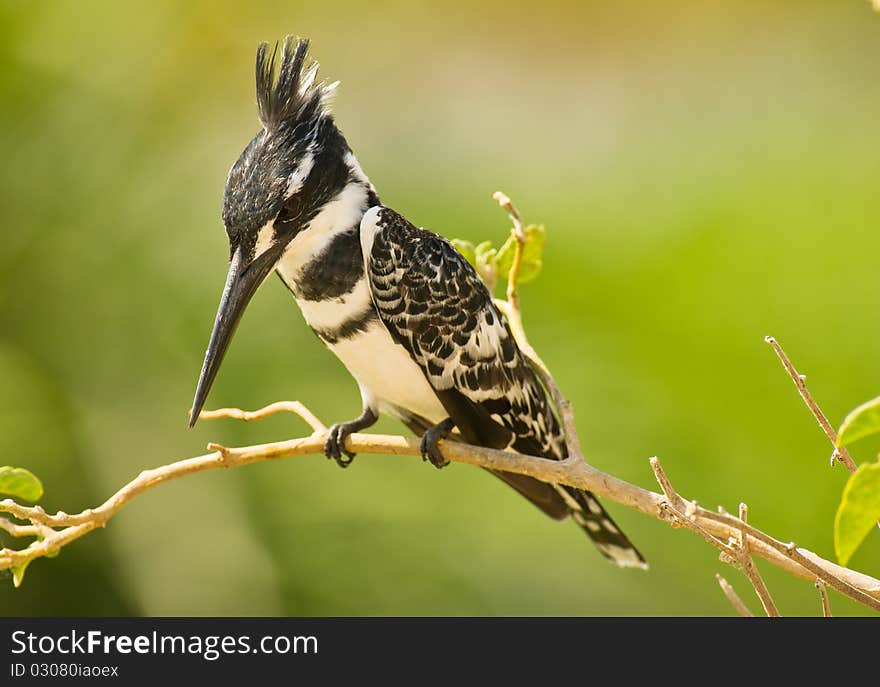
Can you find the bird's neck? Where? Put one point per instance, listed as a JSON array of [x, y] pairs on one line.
[[324, 261]]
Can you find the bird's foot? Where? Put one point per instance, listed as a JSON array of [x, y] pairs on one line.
[[334, 447], [429, 445]]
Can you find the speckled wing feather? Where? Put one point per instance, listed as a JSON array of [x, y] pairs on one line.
[[435, 305]]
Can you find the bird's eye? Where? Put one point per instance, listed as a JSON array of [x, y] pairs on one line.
[[291, 211]]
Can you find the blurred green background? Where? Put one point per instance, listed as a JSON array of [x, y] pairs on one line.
[[708, 174]]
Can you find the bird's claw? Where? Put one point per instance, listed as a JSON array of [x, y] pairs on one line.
[[429, 445], [334, 447]]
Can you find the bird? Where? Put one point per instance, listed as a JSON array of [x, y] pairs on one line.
[[404, 311]]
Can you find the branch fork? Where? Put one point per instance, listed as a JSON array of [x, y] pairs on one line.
[[734, 551]]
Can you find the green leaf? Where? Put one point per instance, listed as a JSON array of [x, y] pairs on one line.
[[466, 248], [18, 574], [532, 256], [858, 511], [861, 422], [485, 252], [20, 484], [485, 262]]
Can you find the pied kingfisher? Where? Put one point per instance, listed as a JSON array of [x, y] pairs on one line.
[[401, 308]]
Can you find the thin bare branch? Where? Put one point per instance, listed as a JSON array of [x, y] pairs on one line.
[[733, 597], [846, 581], [735, 551], [839, 453], [823, 594], [747, 564], [800, 381], [572, 441], [511, 310], [519, 236], [273, 408], [665, 485], [842, 579], [17, 530], [519, 230], [39, 517]]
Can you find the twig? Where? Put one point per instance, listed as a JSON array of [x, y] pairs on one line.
[[504, 201], [747, 564], [800, 382], [838, 454], [519, 236], [273, 408], [17, 530], [823, 594], [733, 597], [733, 551], [832, 574], [511, 307], [665, 485], [512, 311]]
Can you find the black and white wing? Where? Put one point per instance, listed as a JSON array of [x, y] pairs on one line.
[[436, 306]]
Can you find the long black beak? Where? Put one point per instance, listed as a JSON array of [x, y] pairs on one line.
[[241, 284]]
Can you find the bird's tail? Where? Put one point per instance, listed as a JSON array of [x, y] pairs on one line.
[[593, 519], [559, 501]]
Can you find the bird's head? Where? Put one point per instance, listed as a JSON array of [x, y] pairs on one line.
[[286, 174]]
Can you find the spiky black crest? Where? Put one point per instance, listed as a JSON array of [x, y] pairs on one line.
[[290, 95]]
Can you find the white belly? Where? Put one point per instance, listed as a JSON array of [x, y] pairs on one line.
[[388, 377]]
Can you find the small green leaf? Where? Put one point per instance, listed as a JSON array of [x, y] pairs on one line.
[[18, 574], [485, 252], [20, 484], [485, 263], [532, 256], [466, 248], [861, 422], [858, 511]]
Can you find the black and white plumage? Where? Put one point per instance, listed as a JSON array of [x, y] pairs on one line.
[[435, 305], [399, 306]]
